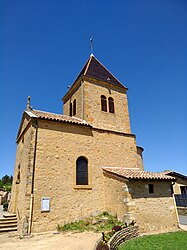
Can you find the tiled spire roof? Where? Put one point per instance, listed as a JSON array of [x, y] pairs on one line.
[[95, 69]]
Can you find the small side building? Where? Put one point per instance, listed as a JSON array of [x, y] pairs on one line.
[[180, 186]]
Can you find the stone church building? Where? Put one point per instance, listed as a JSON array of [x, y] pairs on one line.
[[69, 166]]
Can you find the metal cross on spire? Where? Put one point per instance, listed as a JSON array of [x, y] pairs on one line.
[[91, 45]]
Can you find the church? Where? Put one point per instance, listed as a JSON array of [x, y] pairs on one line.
[[85, 161]]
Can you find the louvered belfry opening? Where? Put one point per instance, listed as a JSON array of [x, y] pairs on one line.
[[103, 103], [70, 109], [74, 107], [111, 104]]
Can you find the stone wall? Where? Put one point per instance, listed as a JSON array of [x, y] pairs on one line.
[[55, 171], [154, 212], [21, 188], [58, 147], [115, 193], [90, 93], [76, 94], [118, 121], [123, 235], [23, 170]]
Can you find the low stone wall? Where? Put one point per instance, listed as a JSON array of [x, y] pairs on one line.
[[182, 210], [119, 237], [123, 235]]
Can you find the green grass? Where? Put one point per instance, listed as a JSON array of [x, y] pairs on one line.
[[100, 223], [168, 241]]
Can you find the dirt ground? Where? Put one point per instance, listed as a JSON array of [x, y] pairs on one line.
[[50, 241]]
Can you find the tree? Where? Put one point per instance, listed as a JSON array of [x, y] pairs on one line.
[[7, 179], [1, 184]]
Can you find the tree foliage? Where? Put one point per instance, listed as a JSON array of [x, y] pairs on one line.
[[6, 182], [7, 179]]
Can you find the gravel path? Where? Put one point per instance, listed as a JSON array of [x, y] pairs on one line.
[[50, 241]]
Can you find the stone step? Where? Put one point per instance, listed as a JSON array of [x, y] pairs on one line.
[[8, 225], [8, 222], [2, 230], [8, 219], [9, 215]]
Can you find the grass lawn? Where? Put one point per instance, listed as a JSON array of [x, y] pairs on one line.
[[167, 241]]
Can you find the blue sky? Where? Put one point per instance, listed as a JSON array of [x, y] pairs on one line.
[[44, 45]]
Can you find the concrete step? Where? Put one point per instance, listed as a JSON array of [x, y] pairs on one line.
[[8, 225], [9, 215], [2, 230]]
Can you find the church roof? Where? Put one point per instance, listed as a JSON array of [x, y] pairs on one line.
[[55, 117], [95, 69], [137, 174]]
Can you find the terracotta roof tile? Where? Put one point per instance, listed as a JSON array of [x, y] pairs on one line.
[[95, 69], [56, 117], [137, 174]]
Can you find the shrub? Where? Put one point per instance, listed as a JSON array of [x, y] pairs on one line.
[[5, 206], [8, 188], [116, 228], [102, 246]]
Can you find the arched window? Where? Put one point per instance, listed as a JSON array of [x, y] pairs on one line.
[[81, 171], [74, 107], [70, 109], [111, 104], [103, 103]]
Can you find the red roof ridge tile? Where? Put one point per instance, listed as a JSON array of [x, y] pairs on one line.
[[88, 64]]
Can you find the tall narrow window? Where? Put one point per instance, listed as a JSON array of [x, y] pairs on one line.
[[70, 109], [18, 175], [103, 103], [111, 104], [74, 107], [82, 171]]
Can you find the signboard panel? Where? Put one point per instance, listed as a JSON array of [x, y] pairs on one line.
[[45, 204]]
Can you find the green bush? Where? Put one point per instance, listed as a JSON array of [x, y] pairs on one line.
[[1, 184], [99, 223], [5, 206], [8, 187]]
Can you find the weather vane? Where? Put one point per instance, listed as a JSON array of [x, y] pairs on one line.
[[91, 45]]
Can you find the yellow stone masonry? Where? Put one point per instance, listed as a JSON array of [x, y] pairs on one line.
[[45, 167]]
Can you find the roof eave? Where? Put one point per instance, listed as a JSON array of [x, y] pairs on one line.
[[78, 80], [105, 82]]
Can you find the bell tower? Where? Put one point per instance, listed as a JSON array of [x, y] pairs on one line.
[[99, 98]]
